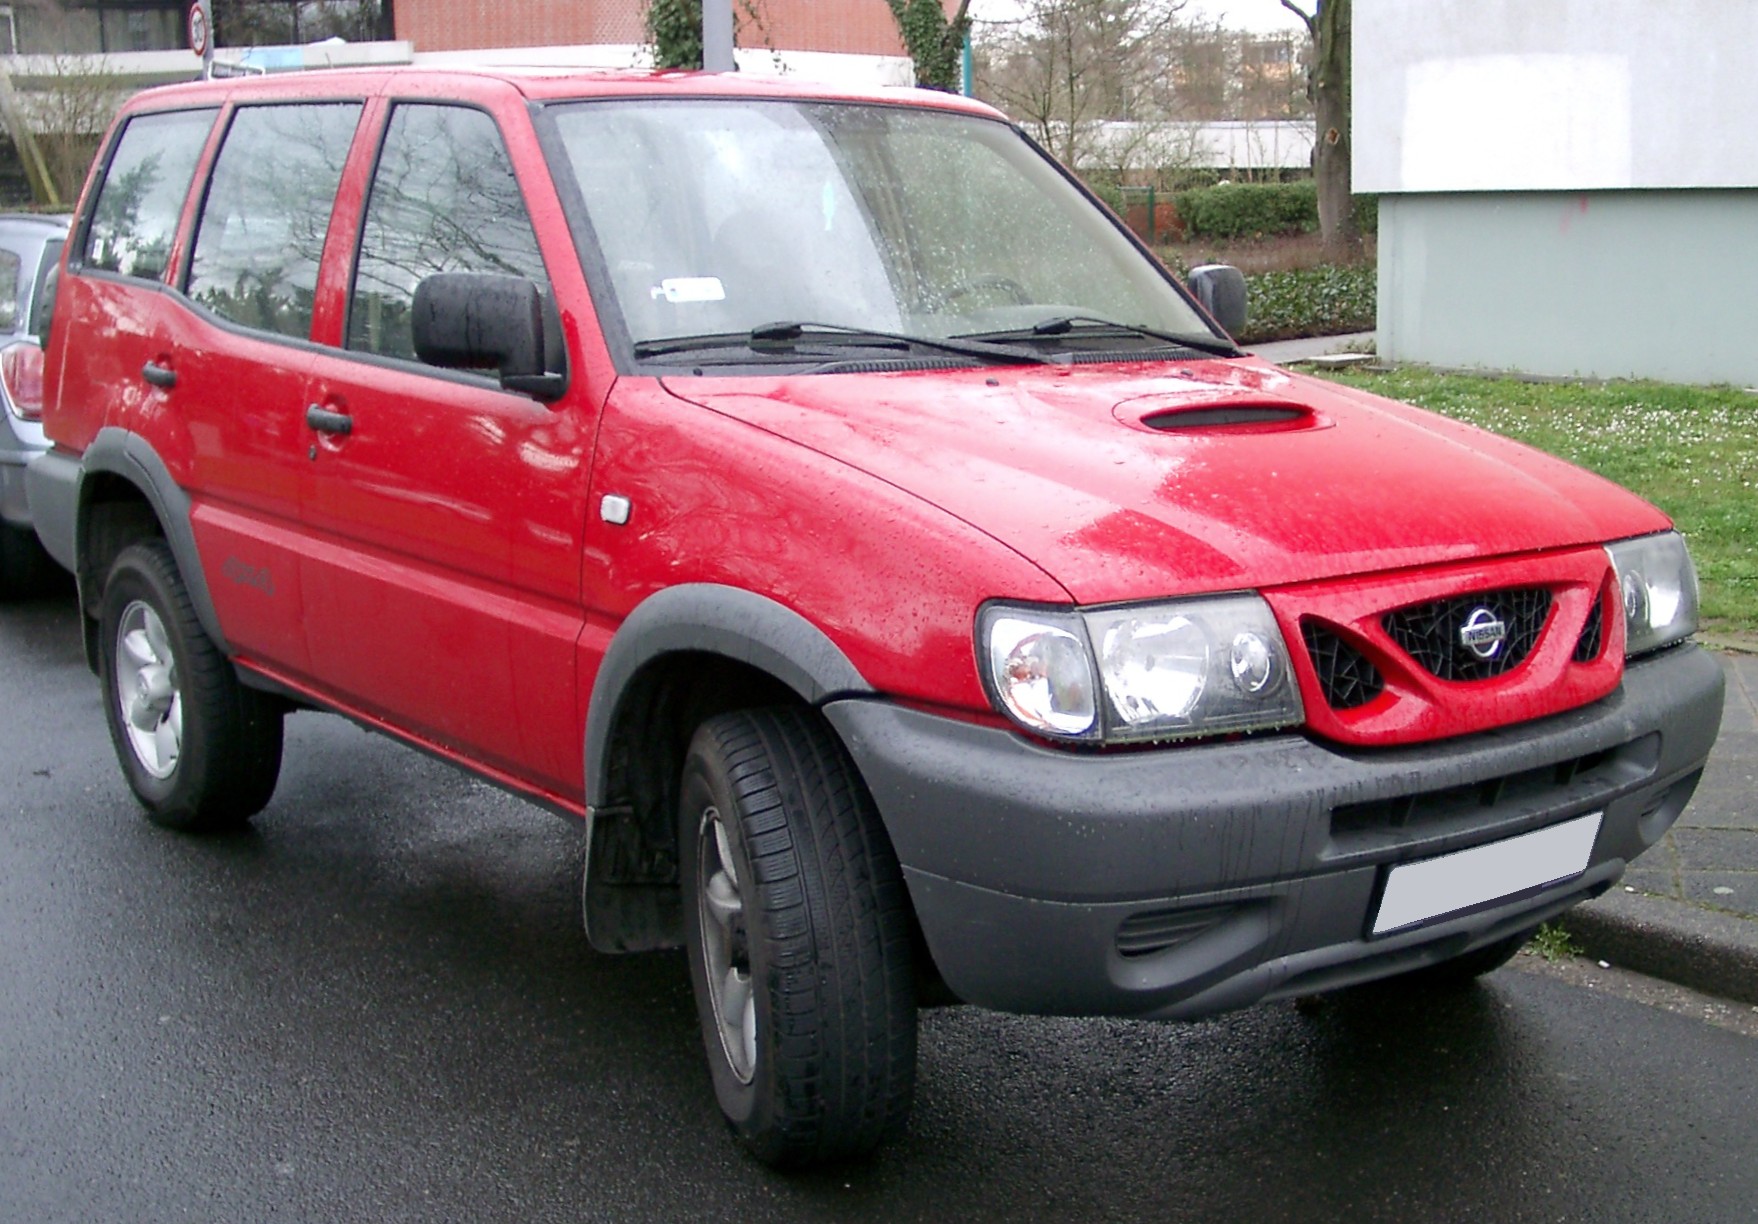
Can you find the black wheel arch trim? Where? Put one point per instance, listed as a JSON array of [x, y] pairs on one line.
[[125, 454], [709, 618]]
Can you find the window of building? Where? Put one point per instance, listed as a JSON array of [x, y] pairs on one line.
[[145, 184], [443, 199], [262, 228]]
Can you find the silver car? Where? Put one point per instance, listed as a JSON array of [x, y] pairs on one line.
[[30, 250]]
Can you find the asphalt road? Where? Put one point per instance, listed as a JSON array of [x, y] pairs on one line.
[[378, 1006]]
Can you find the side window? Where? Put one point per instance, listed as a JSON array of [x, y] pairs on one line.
[[135, 217], [261, 232], [443, 200]]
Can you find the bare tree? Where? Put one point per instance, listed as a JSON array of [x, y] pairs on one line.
[[1328, 84], [1070, 66]]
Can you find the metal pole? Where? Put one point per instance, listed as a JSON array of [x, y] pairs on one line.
[[717, 36], [967, 70]]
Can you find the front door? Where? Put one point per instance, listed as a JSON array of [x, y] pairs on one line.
[[445, 514]]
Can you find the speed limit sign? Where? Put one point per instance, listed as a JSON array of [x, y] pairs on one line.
[[198, 29]]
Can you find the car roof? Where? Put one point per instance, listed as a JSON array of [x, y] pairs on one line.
[[545, 83], [52, 221]]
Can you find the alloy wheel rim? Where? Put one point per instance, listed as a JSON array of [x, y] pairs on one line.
[[147, 690], [726, 955]]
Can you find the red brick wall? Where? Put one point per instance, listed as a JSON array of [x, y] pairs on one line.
[[853, 26]]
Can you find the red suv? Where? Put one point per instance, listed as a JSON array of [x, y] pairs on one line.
[[909, 585]]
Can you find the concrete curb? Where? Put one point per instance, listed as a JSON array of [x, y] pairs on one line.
[[1702, 949]]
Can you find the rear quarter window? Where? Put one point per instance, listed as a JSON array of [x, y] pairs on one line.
[[134, 218]]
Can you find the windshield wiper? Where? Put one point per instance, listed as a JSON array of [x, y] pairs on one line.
[[786, 336], [1093, 327]]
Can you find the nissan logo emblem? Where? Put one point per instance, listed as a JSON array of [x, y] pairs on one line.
[[1483, 634]]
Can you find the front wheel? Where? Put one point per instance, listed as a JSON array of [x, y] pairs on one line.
[[200, 751], [797, 926]]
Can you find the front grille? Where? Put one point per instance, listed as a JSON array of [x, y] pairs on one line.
[[1348, 678], [1431, 633], [1592, 634]]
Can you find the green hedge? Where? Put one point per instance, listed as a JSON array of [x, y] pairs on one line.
[[1262, 210], [1247, 210], [1309, 302]]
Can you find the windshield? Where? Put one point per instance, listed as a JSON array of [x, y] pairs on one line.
[[718, 217]]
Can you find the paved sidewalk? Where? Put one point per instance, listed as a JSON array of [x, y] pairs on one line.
[[1283, 352], [1687, 910], [1710, 857]]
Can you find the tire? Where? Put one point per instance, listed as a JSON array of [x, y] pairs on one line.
[[1463, 970], [200, 751], [24, 566], [798, 935]]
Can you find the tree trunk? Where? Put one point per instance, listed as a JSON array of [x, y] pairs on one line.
[[1331, 109]]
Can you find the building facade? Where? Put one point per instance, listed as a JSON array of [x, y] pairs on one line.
[[1566, 189], [840, 27]]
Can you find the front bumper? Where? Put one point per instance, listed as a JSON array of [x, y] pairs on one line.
[[1182, 881]]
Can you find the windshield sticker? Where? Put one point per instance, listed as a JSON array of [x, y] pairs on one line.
[[677, 289]]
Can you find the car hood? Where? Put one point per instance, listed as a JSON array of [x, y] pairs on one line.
[[1147, 479]]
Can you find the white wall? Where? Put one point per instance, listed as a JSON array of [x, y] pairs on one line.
[[1554, 95], [1229, 144]]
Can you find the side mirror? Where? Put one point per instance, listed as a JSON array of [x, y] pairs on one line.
[[485, 321], [1221, 290]]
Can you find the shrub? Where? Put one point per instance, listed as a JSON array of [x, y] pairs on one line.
[[1110, 192], [1367, 213], [1263, 210], [1247, 210], [1310, 302]]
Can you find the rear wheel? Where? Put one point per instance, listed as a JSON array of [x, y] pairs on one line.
[[200, 751], [799, 941]]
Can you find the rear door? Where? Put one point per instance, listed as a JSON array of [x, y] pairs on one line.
[[237, 342], [445, 515]]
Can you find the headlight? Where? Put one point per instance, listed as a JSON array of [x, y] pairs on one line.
[[1166, 671], [1658, 586], [1042, 671]]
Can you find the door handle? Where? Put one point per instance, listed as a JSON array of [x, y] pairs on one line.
[[327, 421], [158, 375]]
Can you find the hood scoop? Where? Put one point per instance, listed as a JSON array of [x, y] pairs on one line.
[[1208, 415]]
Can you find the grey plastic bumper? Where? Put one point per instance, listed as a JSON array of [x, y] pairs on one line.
[[52, 482], [1189, 880], [20, 443]]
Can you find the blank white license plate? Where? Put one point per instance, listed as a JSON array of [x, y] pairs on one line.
[[1416, 892]]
